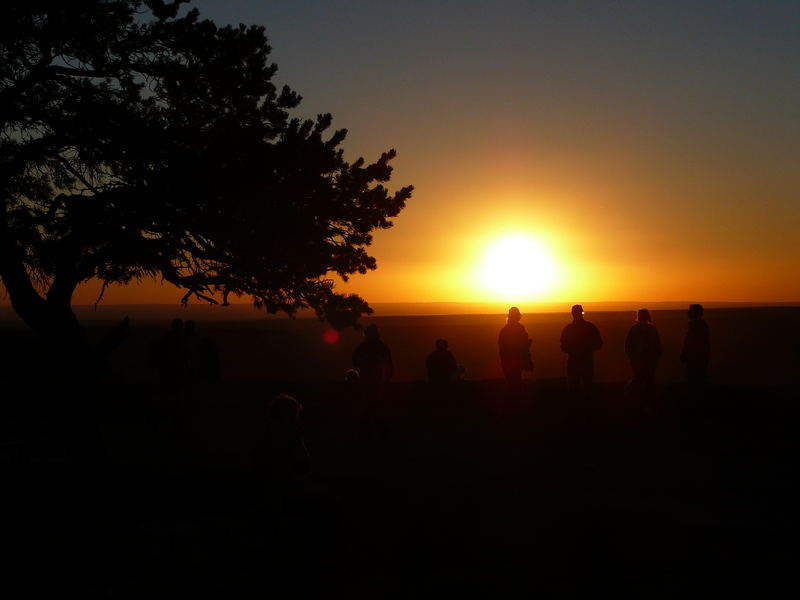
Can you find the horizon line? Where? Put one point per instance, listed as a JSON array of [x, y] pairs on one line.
[[467, 302]]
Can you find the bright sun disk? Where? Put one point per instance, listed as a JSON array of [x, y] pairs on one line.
[[516, 268]]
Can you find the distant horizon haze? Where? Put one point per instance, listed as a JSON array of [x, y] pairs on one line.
[[242, 311], [151, 293]]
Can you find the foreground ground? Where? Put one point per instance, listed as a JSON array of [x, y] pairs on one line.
[[415, 492]]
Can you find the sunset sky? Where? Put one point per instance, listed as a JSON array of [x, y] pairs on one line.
[[632, 150]]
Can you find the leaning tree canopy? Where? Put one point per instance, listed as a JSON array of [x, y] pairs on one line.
[[139, 140]]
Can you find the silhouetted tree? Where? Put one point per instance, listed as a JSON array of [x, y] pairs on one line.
[[141, 141]]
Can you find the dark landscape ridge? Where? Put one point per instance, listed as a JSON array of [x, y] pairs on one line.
[[756, 345], [246, 311]]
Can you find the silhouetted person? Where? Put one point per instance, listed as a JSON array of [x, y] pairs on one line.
[[643, 349], [579, 340], [189, 336], [372, 358], [114, 338], [190, 370], [288, 456], [201, 360], [168, 357], [696, 347], [515, 347], [207, 362], [441, 364]]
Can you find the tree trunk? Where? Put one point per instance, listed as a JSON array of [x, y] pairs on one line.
[[78, 370], [52, 318]]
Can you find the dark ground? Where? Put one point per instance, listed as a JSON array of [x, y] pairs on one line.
[[415, 492]]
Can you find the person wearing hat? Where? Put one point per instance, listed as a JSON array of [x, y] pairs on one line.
[[580, 340], [372, 358], [515, 347]]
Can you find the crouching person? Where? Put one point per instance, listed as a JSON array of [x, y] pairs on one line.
[[441, 365], [298, 520], [287, 456]]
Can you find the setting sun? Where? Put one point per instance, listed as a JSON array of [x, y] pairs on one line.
[[516, 268]]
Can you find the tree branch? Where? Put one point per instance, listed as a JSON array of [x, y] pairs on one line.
[[75, 173], [100, 297], [77, 71]]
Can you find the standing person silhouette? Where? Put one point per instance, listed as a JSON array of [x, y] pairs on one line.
[[696, 348], [579, 340], [372, 358], [515, 347], [201, 359], [189, 355], [167, 356], [643, 349]]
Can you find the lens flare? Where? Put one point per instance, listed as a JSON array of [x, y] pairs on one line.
[[331, 336]]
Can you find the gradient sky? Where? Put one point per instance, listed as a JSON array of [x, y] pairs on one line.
[[652, 148]]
